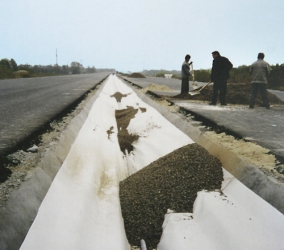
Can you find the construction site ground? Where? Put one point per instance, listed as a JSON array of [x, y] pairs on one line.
[[247, 142], [262, 126], [254, 135]]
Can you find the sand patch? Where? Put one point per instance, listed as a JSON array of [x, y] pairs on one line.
[[156, 87], [251, 153]]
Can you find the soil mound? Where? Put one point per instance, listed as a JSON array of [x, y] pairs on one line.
[[237, 93], [137, 75], [171, 182]]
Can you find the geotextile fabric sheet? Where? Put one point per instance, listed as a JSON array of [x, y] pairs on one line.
[[82, 208]]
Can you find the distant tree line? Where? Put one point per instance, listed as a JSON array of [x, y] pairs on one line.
[[237, 75], [10, 69], [275, 80]]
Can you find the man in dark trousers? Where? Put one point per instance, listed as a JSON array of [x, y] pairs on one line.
[[185, 74], [219, 75], [259, 72]]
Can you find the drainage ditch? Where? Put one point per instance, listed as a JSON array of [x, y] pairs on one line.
[[167, 176], [24, 189]]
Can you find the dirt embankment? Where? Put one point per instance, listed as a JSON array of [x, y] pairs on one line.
[[134, 75], [249, 151], [237, 93]]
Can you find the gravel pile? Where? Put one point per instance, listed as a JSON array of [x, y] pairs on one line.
[[171, 182], [136, 75], [23, 163]]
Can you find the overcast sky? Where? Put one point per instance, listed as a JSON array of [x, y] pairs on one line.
[[132, 35]]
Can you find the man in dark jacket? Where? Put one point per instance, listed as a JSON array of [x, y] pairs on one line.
[[219, 75]]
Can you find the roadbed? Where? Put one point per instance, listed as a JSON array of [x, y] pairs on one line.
[[262, 126]]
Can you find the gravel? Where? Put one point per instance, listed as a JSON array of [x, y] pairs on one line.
[[171, 182]]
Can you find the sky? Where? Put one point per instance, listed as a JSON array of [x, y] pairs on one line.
[[137, 35]]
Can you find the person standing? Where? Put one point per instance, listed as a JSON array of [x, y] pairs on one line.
[[185, 74], [219, 76], [259, 72]]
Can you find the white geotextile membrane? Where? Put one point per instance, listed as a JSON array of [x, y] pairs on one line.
[[238, 219], [82, 209]]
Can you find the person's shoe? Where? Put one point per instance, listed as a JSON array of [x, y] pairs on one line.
[[251, 106], [267, 106], [213, 104]]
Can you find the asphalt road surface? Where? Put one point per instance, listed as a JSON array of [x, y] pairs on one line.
[[26, 104]]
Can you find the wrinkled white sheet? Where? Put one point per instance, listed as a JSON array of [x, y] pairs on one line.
[[82, 209], [237, 219]]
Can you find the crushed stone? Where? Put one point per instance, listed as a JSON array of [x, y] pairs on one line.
[[171, 182]]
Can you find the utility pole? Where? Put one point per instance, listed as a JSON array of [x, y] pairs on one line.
[[56, 55]]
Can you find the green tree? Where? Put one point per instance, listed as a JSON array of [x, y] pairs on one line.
[[14, 64], [56, 69], [90, 70], [28, 68], [5, 63], [276, 77], [5, 73], [202, 75], [5, 69], [75, 67], [65, 69], [240, 75]]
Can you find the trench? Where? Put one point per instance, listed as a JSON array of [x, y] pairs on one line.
[[177, 120], [19, 210]]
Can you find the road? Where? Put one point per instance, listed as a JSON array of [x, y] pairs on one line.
[[82, 208], [26, 104], [96, 163]]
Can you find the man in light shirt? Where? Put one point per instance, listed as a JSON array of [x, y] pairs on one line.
[[185, 74], [259, 72]]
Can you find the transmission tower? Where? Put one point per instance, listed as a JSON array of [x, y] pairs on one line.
[[56, 55]]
